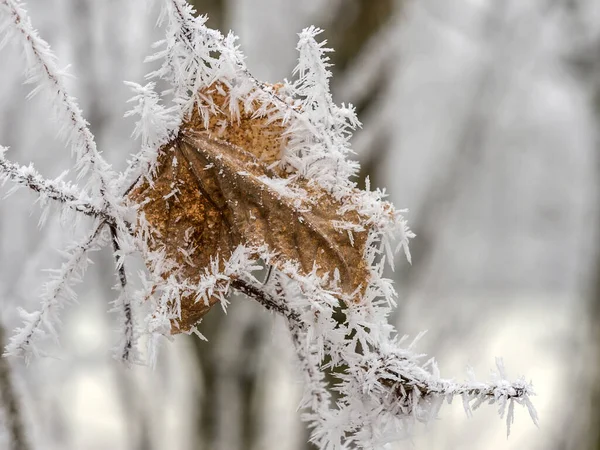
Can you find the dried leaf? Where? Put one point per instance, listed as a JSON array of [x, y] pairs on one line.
[[209, 196], [256, 134]]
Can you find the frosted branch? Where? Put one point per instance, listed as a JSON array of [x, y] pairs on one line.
[[385, 376], [58, 190], [43, 72], [40, 324], [126, 352], [269, 302], [155, 127]]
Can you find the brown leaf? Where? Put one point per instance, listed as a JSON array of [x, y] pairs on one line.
[[211, 196], [255, 134]]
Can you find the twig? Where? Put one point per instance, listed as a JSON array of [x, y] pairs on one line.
[[21, 343], [45, 74], [57, 190], [43, 68], [125, 299], [401, 384], [269, 302]]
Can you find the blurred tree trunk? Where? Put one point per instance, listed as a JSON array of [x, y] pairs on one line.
[[352, 30], [586, 62], [216, 10], [593, 438], [468, 149], [13, 417], [589, 434], [590, 68], [229, 404]]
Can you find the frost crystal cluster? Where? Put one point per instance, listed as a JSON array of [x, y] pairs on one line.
[[235, 176]]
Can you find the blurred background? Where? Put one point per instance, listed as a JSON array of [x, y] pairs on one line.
[[480, 116]]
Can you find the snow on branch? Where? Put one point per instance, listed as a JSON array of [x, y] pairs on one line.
[[189, 57], [155, 127], [41, 325], [63, 192], [43, 72], [319, 144], [57, 290], [384, 387]]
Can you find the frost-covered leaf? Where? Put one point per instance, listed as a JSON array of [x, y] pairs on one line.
[[210, 196]]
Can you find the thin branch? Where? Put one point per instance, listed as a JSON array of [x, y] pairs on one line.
[[317, 396], [43, 65], [58, 291], [45, 74], [268, 301], [125, 300], [57, 190], [386, 368]]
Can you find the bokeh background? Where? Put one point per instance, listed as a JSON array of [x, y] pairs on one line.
[[480, 116]]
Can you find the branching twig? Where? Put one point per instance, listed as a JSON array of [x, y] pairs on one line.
[[45, 74], [416, 381]]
